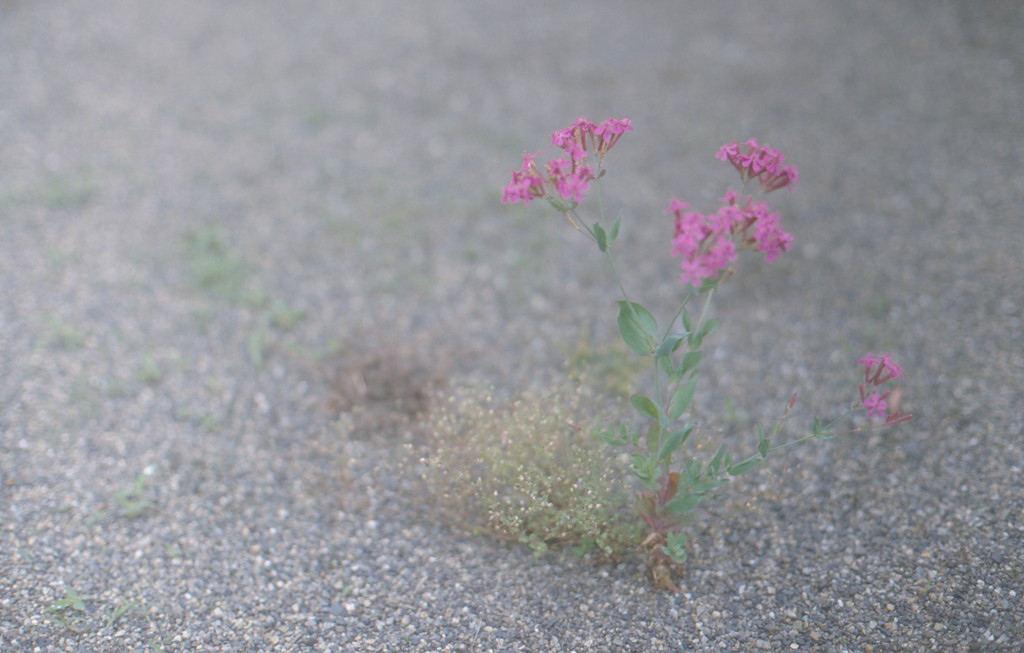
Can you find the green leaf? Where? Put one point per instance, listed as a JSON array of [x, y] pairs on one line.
[[693, 469], [683, 503], [601, 236], [821, 432], [610, 439], [614, 233], [709, 326], [665, 363], [645, 406], [762, 446], [681, 398], [641, 467], [72, 600], [745, 466], [669, 344], [687, 322], [637, 327], [689, 362], [675, 556], [675, 547], [647, 321], [653, 438], [701, 488], [676, 540], [695, 340], [717, 460], [672, 443]]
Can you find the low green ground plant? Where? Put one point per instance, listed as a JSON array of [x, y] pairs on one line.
[[528, 470]]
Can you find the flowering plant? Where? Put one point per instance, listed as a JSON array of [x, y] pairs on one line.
[[706, 244]]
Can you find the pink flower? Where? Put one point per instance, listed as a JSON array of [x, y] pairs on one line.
[[578, 132], [526, 183], [689, 234], [575, 151], [700, 240], [675, 206], [613, 127], [879, 369], [769, 237], [560, 137], [569, 175], [762, 163], [583, 137], [720, 253], [703, 242], [728, 152], [609, 132], [570, 184], [875, 405], [568, 179]]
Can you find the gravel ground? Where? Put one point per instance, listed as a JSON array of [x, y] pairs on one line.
[[212, 213]]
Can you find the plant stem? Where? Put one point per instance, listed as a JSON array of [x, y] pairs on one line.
[[704, 309], [689, 295], [826, 428]]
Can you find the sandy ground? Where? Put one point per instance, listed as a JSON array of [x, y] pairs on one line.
[[210, 213]]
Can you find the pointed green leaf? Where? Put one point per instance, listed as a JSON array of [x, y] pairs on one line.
[[601, 237], [821, 432], [637, 327], [745, 466], [689, 362], [614, 233], [672, 443], [709, 326], [665, 363], [694, 341], [645, 406], [717, 460], [681, 398], [762, 446], [703, 487], [683, 503], [647, 321], [610, 439], [653, 438], [669, 344]]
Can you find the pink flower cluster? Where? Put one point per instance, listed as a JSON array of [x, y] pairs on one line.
[[584, 137], [762, 163], [878, 370], [569, 175], [707, 244]]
